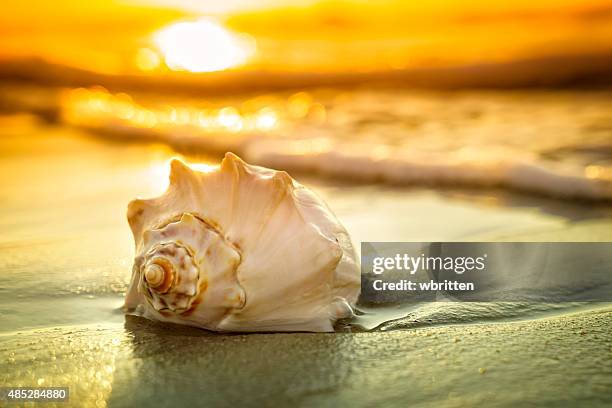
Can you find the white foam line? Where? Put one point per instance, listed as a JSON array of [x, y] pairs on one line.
[[483, 167], [486, 168]]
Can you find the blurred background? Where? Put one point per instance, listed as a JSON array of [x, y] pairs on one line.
[[469, 99], [155, 37], [512, 94], [441, 120]]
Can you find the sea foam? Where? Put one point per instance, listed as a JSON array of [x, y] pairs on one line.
[[500, 167]]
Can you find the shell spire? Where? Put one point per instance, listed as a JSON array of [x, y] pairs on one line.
[[240, 248]]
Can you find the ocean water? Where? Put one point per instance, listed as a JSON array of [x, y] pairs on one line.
[[478, 166], [538, 168], [550, 143]]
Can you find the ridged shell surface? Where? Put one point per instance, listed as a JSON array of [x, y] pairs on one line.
[[240, 248]]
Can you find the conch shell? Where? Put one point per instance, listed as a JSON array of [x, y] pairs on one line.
[[240, 248]]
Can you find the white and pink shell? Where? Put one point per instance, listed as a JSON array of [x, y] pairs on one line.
[[240, 248]]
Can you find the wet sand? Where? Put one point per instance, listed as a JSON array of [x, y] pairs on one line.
[[66, 250], [557, 361]]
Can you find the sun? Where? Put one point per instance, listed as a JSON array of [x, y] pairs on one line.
[[202, 46]]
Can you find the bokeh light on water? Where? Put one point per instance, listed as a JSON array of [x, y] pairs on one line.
[[98, 108]]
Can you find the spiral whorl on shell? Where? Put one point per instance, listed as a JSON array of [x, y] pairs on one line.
[[240, 248], [178, 264]]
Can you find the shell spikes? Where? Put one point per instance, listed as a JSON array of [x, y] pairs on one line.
[[240, 248]]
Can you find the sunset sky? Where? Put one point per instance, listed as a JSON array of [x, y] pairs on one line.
[[302, 35]]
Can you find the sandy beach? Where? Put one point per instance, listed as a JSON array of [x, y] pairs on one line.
[[66, 253], [556, 361]]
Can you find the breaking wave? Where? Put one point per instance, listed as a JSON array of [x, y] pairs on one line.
[[483, 140]]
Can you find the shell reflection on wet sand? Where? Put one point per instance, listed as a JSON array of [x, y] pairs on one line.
[[145, 363]]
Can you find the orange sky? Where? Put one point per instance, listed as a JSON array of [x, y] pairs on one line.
[[310, 35]]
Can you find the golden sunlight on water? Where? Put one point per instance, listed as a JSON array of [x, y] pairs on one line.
[[118, 113], [96, 107], [198, 46], [159, 173]]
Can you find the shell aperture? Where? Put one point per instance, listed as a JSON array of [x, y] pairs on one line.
[[240, 248]]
